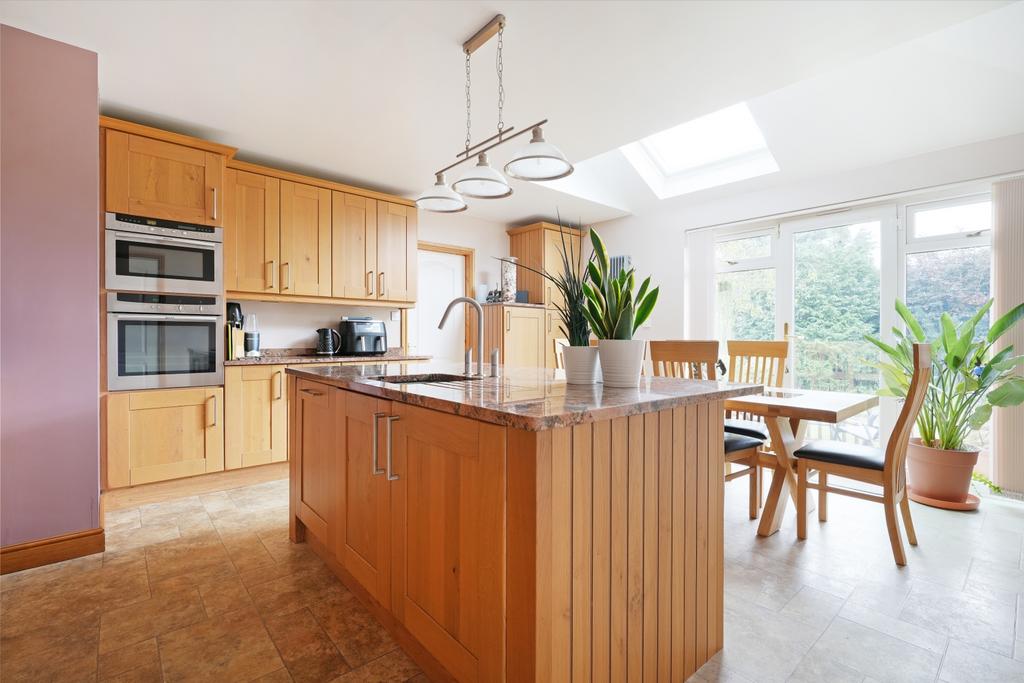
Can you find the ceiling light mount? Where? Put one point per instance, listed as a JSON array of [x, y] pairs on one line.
[[538, 160]]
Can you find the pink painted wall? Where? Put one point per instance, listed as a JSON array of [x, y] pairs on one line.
[[49, 283]]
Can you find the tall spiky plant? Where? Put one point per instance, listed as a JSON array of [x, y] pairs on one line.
[[612, 310], [569, 283]]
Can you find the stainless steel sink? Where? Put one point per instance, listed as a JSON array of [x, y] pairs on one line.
[[428, 378]]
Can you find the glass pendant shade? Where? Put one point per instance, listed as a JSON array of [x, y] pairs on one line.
[[539, 160], [482, 182], [440, 198]]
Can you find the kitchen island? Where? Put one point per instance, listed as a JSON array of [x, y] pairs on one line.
[[519, 528]]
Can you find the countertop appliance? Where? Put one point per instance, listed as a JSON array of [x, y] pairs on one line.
[[362, 337], [327, 341], [156, 341], [155, 255]]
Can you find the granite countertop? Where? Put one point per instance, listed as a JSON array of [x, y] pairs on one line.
[[300, 356], [533, 399], [512, 303]]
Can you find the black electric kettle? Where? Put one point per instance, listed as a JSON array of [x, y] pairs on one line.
[[328, 341]]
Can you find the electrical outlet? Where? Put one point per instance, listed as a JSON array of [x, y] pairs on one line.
[[396, 316]]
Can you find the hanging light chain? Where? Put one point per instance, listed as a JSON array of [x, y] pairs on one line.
[[468, 120], [501, 84]]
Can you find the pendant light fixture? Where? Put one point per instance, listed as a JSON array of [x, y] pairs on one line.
[[538, 160], [440, 198]]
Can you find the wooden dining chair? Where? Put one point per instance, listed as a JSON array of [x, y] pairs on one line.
[[560, 343], [698, 360], [684, 359], [869, 465]]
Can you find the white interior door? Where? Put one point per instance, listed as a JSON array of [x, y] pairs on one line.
[[442, 277]]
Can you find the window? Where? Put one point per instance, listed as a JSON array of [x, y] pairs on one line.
[[969, 216], [720, 148], [745, 287]]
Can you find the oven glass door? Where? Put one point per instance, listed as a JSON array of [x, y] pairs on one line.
[[162, 264], [149, 351]]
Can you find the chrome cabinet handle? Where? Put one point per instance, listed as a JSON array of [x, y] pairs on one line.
[[311, 392], [508, 321], [214, 397], [288, 279], [375, 468], [280, 384], [369, 286], [380, 284], [215, 203], [387, 435], [273, 274]]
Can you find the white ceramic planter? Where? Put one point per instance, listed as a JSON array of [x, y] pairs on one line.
[[580, 364], [621, 361]]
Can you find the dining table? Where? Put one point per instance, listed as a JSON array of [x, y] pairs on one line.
[[787, 413]]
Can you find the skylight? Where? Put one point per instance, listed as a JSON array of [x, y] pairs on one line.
[[717, 149]]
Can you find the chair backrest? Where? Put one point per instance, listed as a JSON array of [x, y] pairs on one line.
[[896, 449], [684, 359], [560, 343], [757, 362]]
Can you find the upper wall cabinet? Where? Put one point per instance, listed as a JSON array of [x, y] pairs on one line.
[[396, 252], [354, 246], [539, 246], [305, 240], [252, 232], [160, 179]]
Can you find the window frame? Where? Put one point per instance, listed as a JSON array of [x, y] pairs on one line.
[[914, 244], [756, 263]]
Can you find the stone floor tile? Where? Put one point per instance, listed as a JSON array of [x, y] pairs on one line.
[[391, 667], [357, 634], [73, 659], [813, 607], [1002, 575], [248, 553], [887, 598], [184, 556], [279, 676], [233, 646], [873, 653], [816, 667], [966, 663], [163, 612], [294, 591], [143, 536], [985, 623], [135, 656], [308, 653], [715, 672], [891, 626], [217, 503], [762, 644]]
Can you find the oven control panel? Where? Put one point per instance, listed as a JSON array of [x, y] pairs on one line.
[[162, 228]]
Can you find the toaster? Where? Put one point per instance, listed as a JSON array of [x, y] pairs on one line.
[[362, 337]]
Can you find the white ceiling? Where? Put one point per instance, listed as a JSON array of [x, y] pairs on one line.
[[372, 92]]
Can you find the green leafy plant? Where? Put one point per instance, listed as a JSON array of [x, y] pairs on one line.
[[968, 380], [612, 309], [982, 479], [569, 283]]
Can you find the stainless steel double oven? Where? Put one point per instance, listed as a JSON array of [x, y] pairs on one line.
[[165, 309]]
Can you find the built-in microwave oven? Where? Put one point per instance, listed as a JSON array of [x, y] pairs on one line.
[[155, 255], [156, 341]]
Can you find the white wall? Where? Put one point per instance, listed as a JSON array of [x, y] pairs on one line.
[[655, 239], [487, 238]]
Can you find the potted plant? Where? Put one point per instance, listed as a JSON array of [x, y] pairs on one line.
[[580, 357], [615, 314], [968, 381]]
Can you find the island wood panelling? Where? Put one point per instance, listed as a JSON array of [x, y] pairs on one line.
[[615, 548]]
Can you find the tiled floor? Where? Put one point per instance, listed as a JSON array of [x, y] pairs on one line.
[[202, 588], [208, 587]]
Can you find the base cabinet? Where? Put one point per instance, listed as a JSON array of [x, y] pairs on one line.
[[164, 434], [517, 331], [255, 416]]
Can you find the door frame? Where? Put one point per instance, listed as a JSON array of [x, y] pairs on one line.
[[469, 257]]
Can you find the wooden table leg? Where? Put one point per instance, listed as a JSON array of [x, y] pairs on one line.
[[784, 443]]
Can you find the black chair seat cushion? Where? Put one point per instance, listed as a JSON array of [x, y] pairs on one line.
[[738, 442], [841, 453], [758, 430]]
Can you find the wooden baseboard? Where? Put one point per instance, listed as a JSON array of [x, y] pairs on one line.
[[14, 558]]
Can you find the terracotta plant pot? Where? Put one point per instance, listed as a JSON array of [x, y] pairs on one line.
[[580, 364], [621, 361], [936, 476]]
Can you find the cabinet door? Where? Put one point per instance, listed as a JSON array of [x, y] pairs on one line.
[[164, 434], [305, 240], [252, 232], [524, 335], [396, 252], [552, 331], [314, 450], [160, 179], [255, 416], [363, 534], [448, 522], [553, 262], [353, 246]]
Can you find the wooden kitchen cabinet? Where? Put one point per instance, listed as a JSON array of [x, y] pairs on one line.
[[448, 538], [305, 240], [255, 415], [159, 179], [353, 246], [518, 331], [539, 246], [362, 522], [252, 232], [313, 447], [163, 434], [397, 245]]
